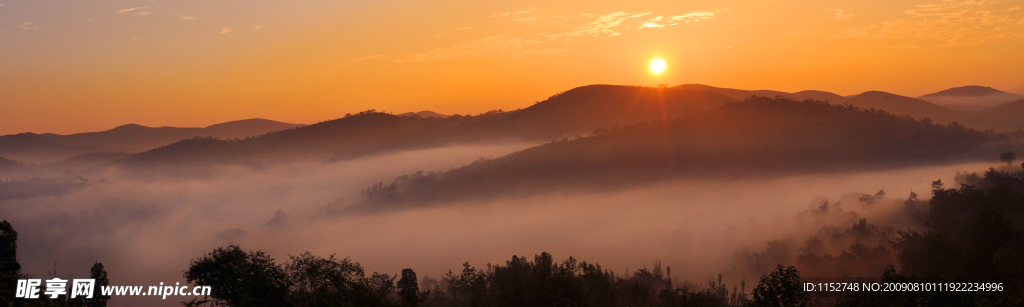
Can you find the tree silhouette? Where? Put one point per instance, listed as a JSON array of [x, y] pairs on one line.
[[242, 278], [409, 290], [10, 269], [1008, 157], [319, 281], [780, 288], [100, 275]]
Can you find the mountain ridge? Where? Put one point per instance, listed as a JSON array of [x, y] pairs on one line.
[[50, 147], [758, 137], [577, 111], [971, 98]]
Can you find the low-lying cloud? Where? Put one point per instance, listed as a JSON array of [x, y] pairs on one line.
[[145, 231]]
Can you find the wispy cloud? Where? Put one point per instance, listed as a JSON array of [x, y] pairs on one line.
[[840, 14], [225, 30], [369, 57], [27, 26], [497, 44], [602, 25], [257, 27], [945, 7], [465, 28], [653, 23], [187, 18], [801, 32], [1, 4], [599, 25], [661, 21], [698, 16], [510, 13], [132, 9], [143, 13], [950, 22]]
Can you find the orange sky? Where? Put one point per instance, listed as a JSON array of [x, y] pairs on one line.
[[77, 66]]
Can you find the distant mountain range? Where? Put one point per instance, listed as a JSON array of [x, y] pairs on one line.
[[973, 106], [761, 137], [970, 98], [576, 112], [132, 138], [424, 114], [1005, 117], [14, 169]]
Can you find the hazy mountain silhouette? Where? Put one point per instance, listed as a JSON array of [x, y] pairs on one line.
[[245, 128], [584, 108], [892, 103], [902, 105], [34, 148], [942, 107], [1007, 116], [135, 138], [14, 169], [48, 147], [757, 137], [819, 95], [577, 111], [82, 162], [970, 98], [424, 113], [363, 133], [735, 94], [740, 95], [9, 167]]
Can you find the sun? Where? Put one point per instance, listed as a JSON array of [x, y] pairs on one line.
[[658, 66]]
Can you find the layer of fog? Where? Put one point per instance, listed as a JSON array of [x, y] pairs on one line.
[[974, 103], [146, 232]]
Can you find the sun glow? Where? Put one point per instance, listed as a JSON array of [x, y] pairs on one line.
[[658, 66]]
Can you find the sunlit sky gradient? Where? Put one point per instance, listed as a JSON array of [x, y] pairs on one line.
[[76, 66]]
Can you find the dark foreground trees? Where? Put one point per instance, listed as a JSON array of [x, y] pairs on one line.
[[973, 233], [409, 289], [10, 270], [781, 288], [241, 278], [252, 278], [98, 273], [10, 273]]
